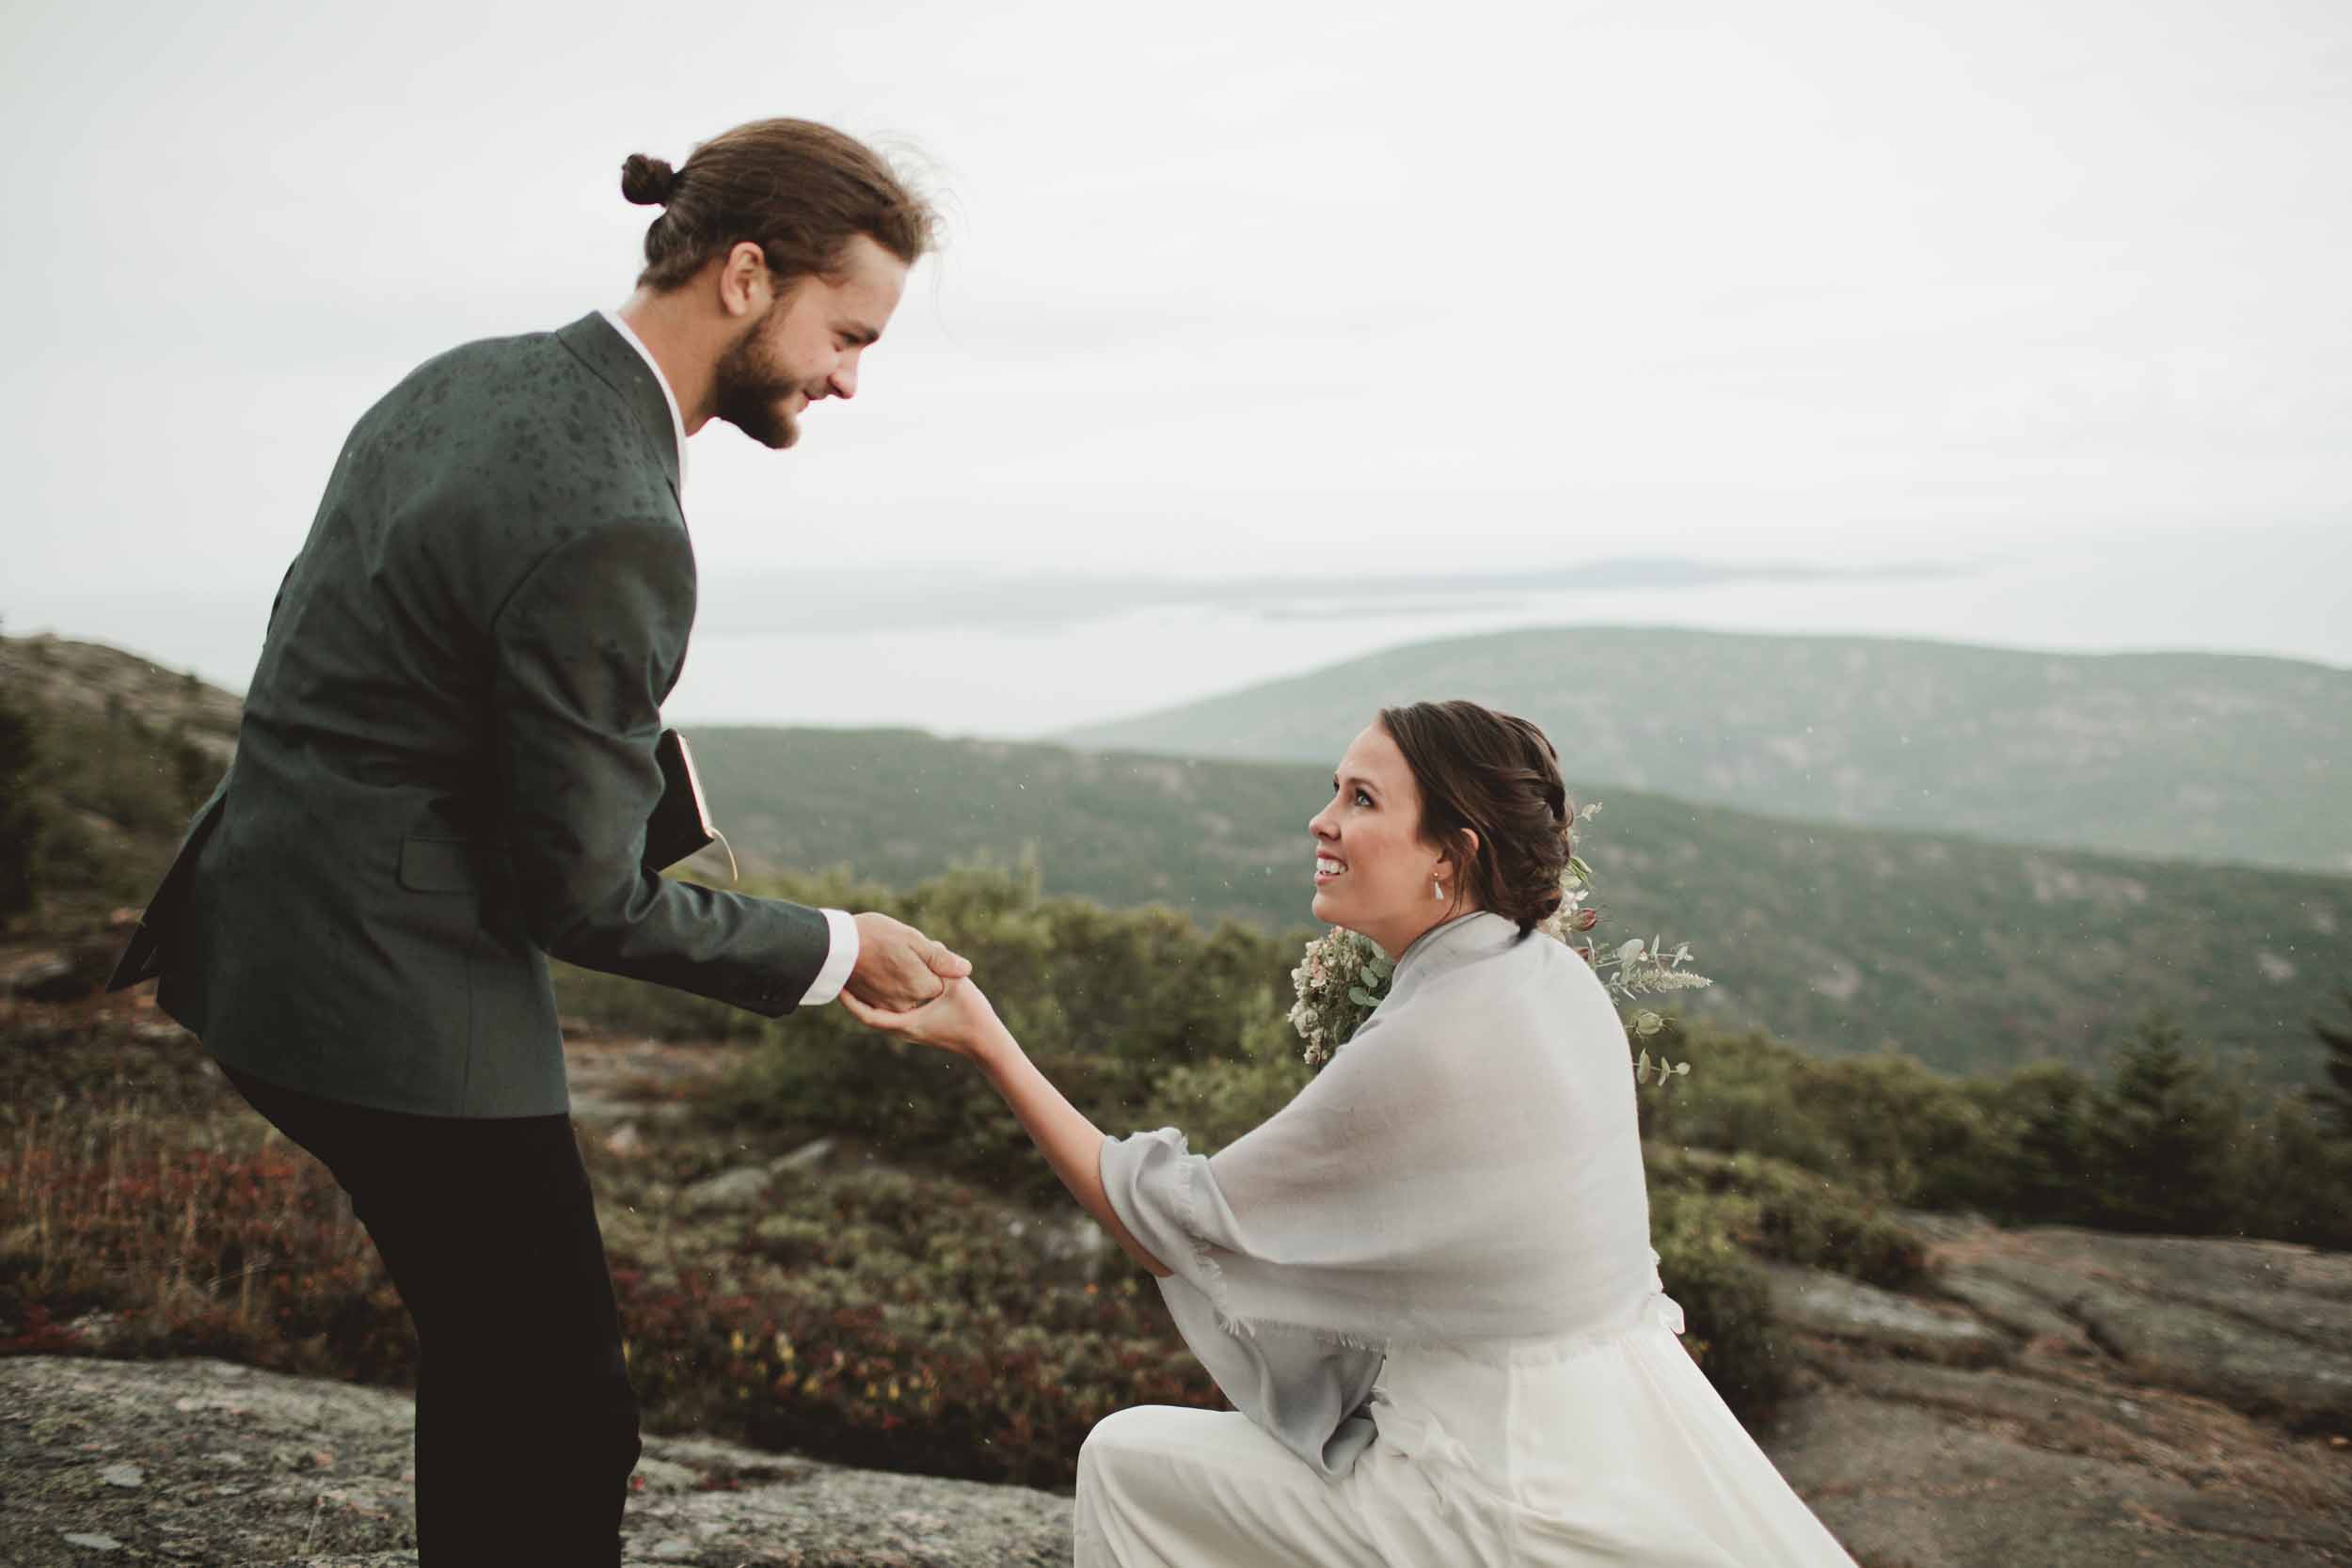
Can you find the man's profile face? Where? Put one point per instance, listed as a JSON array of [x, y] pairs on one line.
[[806, 345]]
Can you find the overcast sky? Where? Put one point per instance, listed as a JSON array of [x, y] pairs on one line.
[[2047, 296]]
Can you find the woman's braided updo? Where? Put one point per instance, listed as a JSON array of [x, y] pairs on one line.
[[1497, 777]]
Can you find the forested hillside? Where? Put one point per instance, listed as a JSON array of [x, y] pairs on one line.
[[1969, 955]]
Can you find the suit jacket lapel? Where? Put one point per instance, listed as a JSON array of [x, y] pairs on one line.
[[594, 342]]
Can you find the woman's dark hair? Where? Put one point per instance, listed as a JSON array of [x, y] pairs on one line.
[[1499, 777], [798, 190]]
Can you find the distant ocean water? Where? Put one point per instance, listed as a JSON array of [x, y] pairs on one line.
[[966, 655], [1024, 682]]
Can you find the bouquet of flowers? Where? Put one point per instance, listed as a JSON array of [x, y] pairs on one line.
[[1343, 977]]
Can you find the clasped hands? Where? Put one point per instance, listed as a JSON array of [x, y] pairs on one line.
[[907, 984]]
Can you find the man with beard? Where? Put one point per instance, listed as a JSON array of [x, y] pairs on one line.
[[443, 776]]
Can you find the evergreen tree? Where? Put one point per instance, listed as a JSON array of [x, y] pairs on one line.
[[2055, 1175], [2165, 1136], [2334, 1098]]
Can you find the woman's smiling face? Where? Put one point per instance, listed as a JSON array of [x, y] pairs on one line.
[[1372, 870]]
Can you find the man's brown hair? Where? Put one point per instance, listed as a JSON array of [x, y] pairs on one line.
[[798, 190]]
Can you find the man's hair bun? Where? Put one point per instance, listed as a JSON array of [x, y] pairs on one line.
[[648, 182], [799, 190]]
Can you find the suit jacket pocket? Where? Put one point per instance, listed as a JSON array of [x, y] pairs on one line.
[[439, 865]]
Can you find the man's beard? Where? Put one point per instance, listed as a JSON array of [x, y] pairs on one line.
[[749, 385]]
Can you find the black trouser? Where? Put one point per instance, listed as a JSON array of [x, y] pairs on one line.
[[526, 1427]]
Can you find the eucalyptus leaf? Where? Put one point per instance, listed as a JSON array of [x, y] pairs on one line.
[[1362, 997]]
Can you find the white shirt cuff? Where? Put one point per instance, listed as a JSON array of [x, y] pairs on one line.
[[840, 959]]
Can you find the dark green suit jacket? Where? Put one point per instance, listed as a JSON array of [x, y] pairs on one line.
[[447, 754]]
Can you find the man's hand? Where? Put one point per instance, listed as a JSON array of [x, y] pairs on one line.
[[898, 967]]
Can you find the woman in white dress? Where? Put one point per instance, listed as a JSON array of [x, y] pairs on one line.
[[1426, 1283]]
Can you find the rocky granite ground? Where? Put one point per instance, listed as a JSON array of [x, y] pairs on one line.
[[203, 1462], [2079, 1400], [2063, 1399]]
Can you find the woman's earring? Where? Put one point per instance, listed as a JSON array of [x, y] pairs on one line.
[[1437, 889]]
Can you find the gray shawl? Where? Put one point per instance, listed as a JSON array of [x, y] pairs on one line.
[[1467, 1168]]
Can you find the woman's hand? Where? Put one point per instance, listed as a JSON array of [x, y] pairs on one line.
[[958, 1019]]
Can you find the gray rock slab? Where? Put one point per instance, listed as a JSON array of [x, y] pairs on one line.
[[325, 1481], [1824, 1302], [2193, 1347], [814, 1155], [2299, 1292], [2264, 1327], [2014, 1308], [1900, 1483], [2221, 1354], [2065, 1416], [731, 1189]]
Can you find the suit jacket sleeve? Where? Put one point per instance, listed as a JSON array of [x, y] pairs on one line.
[[587, 646]]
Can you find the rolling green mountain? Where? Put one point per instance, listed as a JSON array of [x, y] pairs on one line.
[[2194, 756], [1971, 956]]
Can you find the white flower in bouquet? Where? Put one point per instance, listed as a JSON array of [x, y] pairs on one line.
[[1343, 975], [1340, 980]]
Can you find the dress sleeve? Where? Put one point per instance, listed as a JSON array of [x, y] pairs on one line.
[[1306, 1389]]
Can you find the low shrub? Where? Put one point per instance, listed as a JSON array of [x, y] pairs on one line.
[[252, 1256], [1728, 1326], [2164, 1141], [1784, 1212], [903, 1324]]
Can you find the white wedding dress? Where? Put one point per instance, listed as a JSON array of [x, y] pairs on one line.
[[1566, 1453], [1427, 1287]]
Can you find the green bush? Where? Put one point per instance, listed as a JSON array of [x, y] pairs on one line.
[[1783, 1211], [1216, 1102], [2331, 1098], [2166, 1142], [22, 819], [1108, 1003], [1727, 1308], [625, 1006]]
